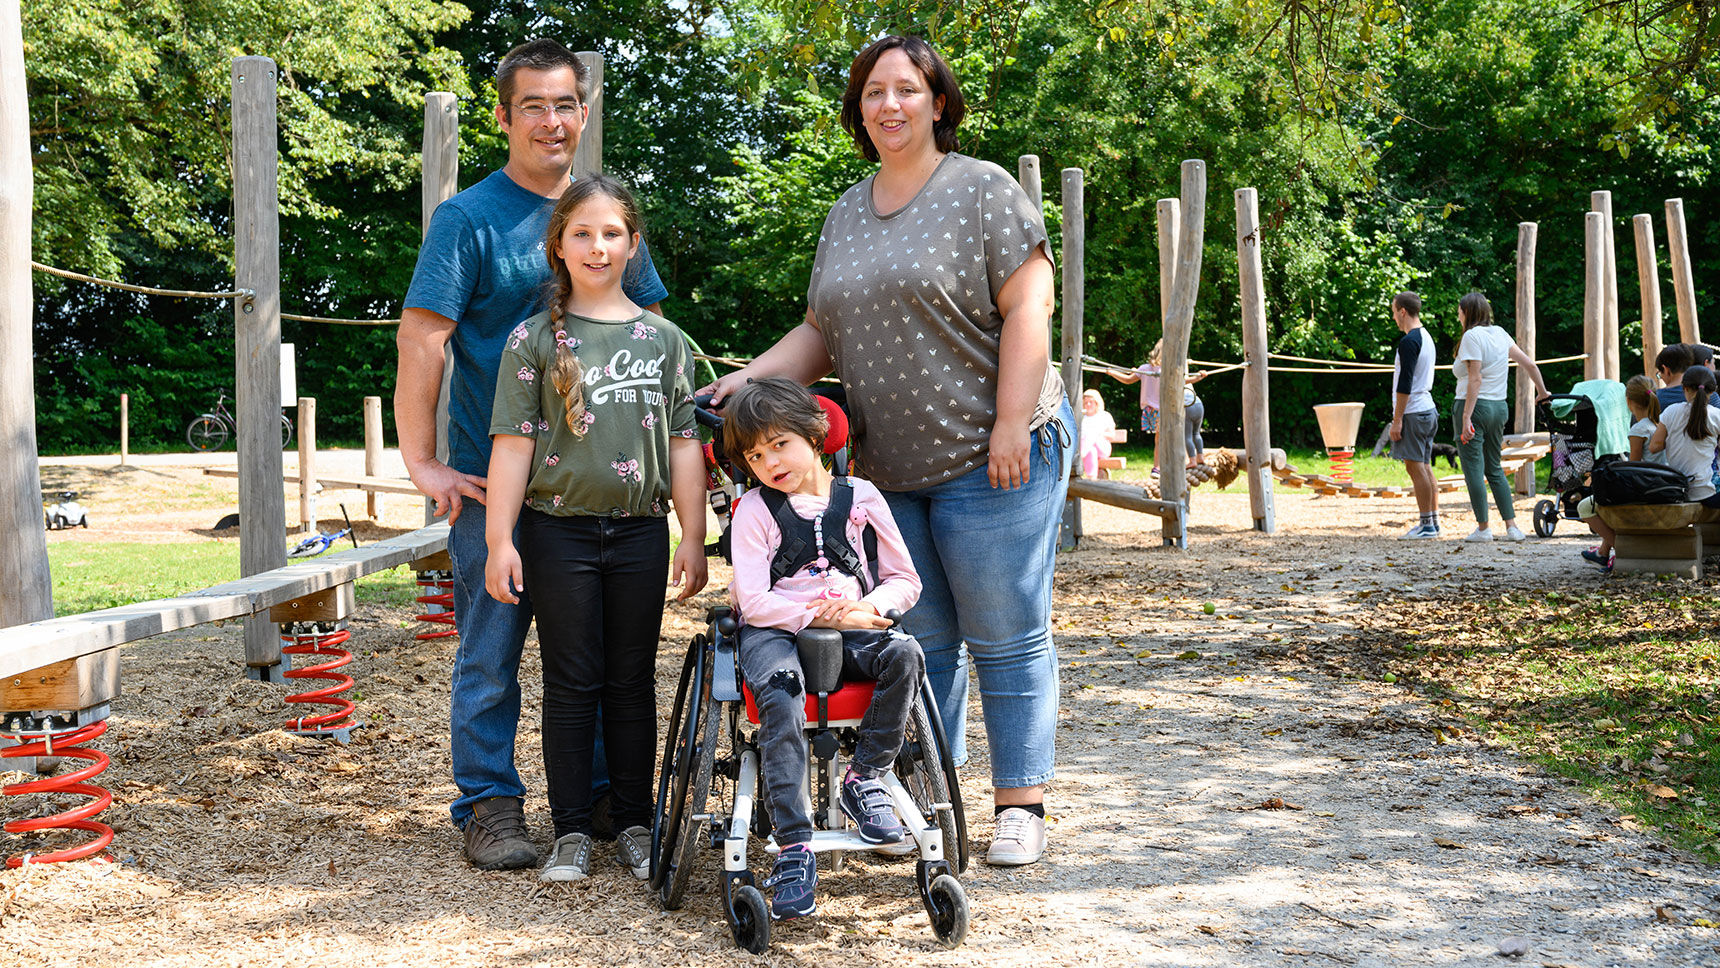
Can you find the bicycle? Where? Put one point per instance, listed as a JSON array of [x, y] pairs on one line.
[[209, 431]]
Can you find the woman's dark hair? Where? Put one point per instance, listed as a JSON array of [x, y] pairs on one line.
[[939, 78], [767, 407], [1475, 310], [1674, 358], [538, 55], [1700, 380]]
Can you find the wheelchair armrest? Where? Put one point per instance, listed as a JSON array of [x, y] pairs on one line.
[[820, 658]]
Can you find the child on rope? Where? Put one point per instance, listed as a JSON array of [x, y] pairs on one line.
[[811, 550], [1194, 410], [594, 435]]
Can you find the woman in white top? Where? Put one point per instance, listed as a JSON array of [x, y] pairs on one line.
[[1687, 434], [1478, 415]]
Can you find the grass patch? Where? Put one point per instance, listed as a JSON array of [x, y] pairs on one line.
[[1616, 690], [89, 576]]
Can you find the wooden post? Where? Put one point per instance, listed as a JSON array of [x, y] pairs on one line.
[[1683, 284], [1027, 168], [1648, 284], [1169, 223], [308, 463], [372, 448], [440, 180], [1074, 304], [1594, 296], [1256, 409], [1179, 319], [124, 429], [1602, 202], [588, 157], [257, 328], [26, 589], [1525, 422]]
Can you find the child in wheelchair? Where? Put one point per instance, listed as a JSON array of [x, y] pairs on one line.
[[815, 551]]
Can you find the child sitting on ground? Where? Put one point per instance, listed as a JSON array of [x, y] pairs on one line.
[[1644, 406], [846, 567]]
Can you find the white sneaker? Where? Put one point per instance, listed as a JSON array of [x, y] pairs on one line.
[[1020, 839], [1419, 532], [1479, 534], [1514, 533]]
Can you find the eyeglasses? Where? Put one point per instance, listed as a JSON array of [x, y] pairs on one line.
[[566, 110]]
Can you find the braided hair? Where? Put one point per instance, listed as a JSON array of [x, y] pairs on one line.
[[567, 374]]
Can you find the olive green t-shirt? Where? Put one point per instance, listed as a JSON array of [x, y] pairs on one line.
[[638, 394]]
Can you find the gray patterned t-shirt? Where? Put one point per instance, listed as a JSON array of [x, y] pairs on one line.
[[906, 302]]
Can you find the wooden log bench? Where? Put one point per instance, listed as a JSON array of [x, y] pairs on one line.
[[1663, 538]]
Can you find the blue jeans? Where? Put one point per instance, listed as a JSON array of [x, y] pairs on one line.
[[985, 557], [484, 710]]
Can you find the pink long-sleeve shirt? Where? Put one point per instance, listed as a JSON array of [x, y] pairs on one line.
[[754, 538]]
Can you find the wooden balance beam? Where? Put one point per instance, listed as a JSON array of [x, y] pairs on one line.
[[375, 485]]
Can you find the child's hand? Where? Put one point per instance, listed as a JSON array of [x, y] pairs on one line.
[[845, 613], [502, 569], [687, 570]]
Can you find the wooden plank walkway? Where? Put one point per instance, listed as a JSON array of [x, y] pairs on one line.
[[26, 647]]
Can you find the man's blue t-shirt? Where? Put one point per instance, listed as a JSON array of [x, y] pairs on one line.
[[483, 265]]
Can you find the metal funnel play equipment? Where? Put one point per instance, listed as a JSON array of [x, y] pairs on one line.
[[1339, 423]]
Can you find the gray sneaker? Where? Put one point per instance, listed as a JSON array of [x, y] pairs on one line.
[[633, 850], [570, 860], [496, 837]]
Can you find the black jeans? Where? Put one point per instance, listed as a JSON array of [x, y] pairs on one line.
[[771, 666], [597, 588]]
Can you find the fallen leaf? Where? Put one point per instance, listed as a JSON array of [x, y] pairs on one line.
[[1447, 844], [1661, 915], [332, 871], [1190, 654], [1206, 929]]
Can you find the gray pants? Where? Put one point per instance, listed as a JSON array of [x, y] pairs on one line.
[[771, 666]]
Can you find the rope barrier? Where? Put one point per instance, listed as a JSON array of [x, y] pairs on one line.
[[146, 290], [341, 322], [1309, 359]]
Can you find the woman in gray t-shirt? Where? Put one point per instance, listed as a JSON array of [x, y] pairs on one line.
[[931, 299]]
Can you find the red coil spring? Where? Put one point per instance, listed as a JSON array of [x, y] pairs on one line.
[[310, 638], [1343, 464], [441, 602], [64, 744]]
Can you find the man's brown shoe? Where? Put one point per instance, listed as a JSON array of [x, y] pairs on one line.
[[496, 836]]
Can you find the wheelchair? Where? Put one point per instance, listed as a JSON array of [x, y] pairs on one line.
[[710, 791]]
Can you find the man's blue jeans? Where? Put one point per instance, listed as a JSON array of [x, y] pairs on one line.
[[484, 711], [985, 557]]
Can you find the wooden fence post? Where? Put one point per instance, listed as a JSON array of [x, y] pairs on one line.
[[257, 327], [1169, 224], [26, 588], [1173, 376], [1256, 409], [1074, 305], [1027, 168], [1683, 284], [439, 181], [1594, 296], [1648, 284], [124, 429], [372, 448], [308, 464], [1602, 202], [588, 157], [1525, 422]]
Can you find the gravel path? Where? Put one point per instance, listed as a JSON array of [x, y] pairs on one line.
[[1258, 803]]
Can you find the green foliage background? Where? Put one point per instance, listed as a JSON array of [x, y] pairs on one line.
[[1392, 147]]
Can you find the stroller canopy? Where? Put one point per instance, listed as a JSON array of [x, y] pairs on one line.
[[1612, 414]]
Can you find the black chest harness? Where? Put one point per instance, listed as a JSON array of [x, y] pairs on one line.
[[805, 540]]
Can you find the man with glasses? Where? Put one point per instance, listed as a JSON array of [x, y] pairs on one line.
[[481, 271]]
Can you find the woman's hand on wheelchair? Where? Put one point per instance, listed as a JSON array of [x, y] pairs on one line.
[[725, 385], [846, 614]]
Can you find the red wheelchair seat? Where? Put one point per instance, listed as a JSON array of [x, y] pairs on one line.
[[847, 703]]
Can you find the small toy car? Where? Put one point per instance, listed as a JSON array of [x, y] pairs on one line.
[[66, 514]]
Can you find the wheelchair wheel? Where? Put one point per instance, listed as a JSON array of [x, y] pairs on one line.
[[749, 920], [927, 768], [689, 755], [1546, 518], [947, 905]]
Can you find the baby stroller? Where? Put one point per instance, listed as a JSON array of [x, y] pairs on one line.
[[709, 792], [1571, 424]]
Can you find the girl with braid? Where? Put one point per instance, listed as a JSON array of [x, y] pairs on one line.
[[594, 441]]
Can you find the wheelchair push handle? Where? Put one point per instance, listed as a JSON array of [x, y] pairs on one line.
[[704, 413]]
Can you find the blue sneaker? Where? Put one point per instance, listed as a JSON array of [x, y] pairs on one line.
[[793, 883], [868, 804]]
